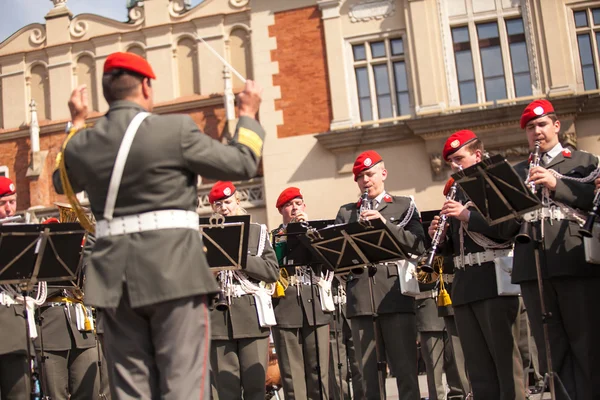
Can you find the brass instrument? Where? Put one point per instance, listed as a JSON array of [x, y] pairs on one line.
[[365, 205], [526, 232], [450, 193], [587, 228]]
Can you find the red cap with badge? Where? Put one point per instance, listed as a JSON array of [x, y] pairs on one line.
[[130, 62], [288, 194], [7, 187], [365, 160], [220, 191], [456, 141], [536, 109]]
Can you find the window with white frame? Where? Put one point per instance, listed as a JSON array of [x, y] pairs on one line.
[[4, 171], [381, 78], [491, 60], [587, 28]]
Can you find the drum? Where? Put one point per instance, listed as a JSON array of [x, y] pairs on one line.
[[273, 378]]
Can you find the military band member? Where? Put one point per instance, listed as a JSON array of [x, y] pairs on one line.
[[488, 324], [569, 282], [239, 348], [14, 378], [148, 271], [396, 312], [298, 327]]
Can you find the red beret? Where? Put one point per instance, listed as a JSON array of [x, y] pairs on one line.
[[130, 62], [220, 191], [7, 187], [456, 141], [288, 194], [536, 109], [365, 161]]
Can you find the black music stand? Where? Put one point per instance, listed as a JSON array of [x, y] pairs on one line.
[[500, 194], [35, 252], [355, 245], [497, 191], [226, 241]]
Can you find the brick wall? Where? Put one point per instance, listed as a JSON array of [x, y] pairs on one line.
[[302, 77]]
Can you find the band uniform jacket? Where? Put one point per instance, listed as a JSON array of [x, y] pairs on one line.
[[427, 311], [13, 337], [293, 311], [240, 321], [161, 173], [386, 287], [564, 255], [338, 323], [472, 283]]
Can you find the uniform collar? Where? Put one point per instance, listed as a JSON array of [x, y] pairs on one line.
[[553, 152]]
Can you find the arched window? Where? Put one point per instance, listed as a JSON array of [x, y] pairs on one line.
[[138, 50], [187, 65], [40, 91], [239, 50], [86, 74]]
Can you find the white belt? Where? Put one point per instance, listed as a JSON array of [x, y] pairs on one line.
[[150, 221], [481, 257], [448, 278], [428, 294], [6, 299], [554, 213]]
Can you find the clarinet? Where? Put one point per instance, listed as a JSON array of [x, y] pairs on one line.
[[527, 233], [450, 192], [587, 228], [365, 204]]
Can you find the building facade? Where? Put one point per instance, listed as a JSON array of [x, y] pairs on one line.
[[340, 77]]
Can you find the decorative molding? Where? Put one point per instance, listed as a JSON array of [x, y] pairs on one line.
[[78, 28], [177, 8], [37, 36], [448, 52], [329, 8], [59, 3], [371, 9], [239, 3], [136, 14], [531, 42], [252, 195]]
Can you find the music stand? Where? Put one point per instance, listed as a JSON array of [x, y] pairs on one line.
[[354, 245], [226, 241], [494, 176], [35, 252], [496, 189]]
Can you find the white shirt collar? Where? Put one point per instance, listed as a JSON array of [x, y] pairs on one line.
[[553, 152], [377, 200]]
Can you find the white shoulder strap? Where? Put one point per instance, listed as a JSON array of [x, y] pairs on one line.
[[117, 173]]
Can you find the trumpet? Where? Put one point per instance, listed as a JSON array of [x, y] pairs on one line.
[[587, 228], [450, 193], [526, 232]]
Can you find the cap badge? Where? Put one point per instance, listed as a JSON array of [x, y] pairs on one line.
[[227, 191], [367, 162], [539, 110], [12, 187], [455, 143]]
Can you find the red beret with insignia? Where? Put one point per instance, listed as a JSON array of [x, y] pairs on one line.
[[220, 191], [536, 109], [288, 194], [456, 141], [365, 161], [7, 187], [130, 62]]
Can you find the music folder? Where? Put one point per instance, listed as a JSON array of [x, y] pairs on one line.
[[355, 244], [497, 191], [296, 252], [226, 241], [30, 253]]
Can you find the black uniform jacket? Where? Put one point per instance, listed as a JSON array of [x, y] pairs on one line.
[[386, 288], [240, 321], [564, 255]]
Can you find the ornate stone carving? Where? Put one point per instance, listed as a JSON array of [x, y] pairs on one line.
[[372, 9], [59, 3], [438, 167], [37, 36], [178, 7], [78, 28], [239, 3], [136, 14]]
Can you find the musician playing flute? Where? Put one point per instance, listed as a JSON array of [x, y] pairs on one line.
[[240, 343], [488, 324], [564, 182]]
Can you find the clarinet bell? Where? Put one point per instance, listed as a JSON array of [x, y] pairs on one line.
[[588, 227], [427, 266], [525, 234], [221, 304]]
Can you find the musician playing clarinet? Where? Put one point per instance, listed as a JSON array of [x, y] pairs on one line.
[[488, 324], [240, 343], [564, 182], [396, 321]]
